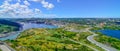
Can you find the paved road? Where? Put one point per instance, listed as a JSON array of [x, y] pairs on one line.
[[85, 30], [105, 47], [82, 44], [91, 39], [4, 48]]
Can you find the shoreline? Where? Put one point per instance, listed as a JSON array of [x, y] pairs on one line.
[[15, 34]]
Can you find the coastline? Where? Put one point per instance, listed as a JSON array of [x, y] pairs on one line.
[[15, 34]]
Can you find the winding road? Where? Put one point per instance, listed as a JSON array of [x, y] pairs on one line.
[[91, 39], [82, 44], [103, 46], [4, 48], [87, 29]]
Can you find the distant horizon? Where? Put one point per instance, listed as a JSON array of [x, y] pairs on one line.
[[61, 17]]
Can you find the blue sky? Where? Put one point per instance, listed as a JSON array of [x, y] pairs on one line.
[[59, 8]]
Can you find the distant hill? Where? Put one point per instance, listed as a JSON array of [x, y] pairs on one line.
[[7, 22]]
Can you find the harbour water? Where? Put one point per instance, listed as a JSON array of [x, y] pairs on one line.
[[112, 33], [25, 27]]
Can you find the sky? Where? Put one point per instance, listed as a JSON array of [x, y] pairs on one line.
[[59, 8]]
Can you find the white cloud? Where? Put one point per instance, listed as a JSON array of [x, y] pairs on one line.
[[44, 3], [15, 10], [22, 10], [19, 0], [37, 10], [58, 1], [50, 6], [47, 5], [26, 3]]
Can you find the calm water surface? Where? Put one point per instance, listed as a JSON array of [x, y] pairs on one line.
[[112, 33], [28, 26]]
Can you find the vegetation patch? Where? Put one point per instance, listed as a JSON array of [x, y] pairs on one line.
[[7, 28], [0, 50], [110, 41], [46, 40]]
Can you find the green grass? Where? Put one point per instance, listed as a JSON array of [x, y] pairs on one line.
[[6, 28], [110, 41], [0, 50], [75, 26], [46, 40], [82, 37]]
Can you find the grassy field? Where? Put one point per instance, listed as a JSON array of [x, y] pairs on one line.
[[0, 50], [46, 40], [82, 36], [6, 28], [110, 41]]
